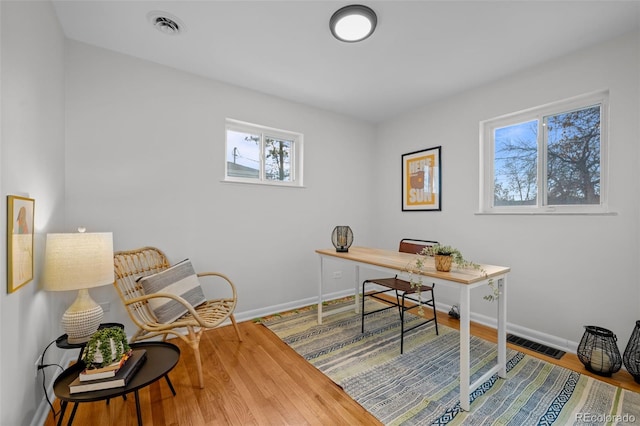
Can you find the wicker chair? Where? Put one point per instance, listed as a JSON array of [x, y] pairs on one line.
[[133, 264]]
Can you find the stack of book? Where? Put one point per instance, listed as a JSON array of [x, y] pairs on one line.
[[114, 375]]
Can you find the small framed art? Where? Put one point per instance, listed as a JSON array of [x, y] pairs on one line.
[[20, 212], [421, 183]]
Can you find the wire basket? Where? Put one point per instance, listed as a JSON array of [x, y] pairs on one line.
[[598, 351], [631, 356]]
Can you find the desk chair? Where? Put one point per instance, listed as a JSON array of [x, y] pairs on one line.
[[403, 291]]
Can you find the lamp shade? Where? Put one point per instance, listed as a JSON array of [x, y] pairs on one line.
[[78, 261]]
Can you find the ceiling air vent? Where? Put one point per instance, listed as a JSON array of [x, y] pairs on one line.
[[165, 23]]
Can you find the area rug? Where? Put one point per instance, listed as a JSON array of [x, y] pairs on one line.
[[420, 387]]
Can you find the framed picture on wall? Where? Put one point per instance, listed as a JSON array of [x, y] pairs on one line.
[[421, 180], [20, 212]]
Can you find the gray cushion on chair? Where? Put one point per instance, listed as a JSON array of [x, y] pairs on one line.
[[180, 280]]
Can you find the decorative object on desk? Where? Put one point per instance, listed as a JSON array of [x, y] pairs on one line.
[[20, 212], [444, 257], [122, 377], [631, 355], [598, 351], [105, 350], [421, 180], [342, 238], [79, 261]]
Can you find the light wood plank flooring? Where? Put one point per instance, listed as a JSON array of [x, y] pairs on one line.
[[260, 381]]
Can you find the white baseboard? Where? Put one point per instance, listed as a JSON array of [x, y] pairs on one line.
[[257, 313], [537, 336]]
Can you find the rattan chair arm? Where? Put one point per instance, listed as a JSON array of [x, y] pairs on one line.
[[223, 276], [146, 297]]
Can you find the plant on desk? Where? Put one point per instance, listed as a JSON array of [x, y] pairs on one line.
[[105, 346], [444, 258]]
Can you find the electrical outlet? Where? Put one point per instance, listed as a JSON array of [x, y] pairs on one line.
[[37, 367], [337, 275]]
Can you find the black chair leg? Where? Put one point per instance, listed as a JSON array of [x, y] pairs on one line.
[[398, 303], [435, 316]]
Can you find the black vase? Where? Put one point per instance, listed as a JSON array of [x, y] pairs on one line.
[[632, 353], [598, 351]]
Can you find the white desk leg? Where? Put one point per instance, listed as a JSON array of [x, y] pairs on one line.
[[502, 327], [465, 358], [320, 293], [357, 293]]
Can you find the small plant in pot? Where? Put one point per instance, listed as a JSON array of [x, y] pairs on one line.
[[105, 346], [445, 257]]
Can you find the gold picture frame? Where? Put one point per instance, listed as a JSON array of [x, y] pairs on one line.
[[20, 212], [421, 180]]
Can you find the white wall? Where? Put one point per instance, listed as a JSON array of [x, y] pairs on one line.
[[144, 153], [567, 271], [32, 164], [145, 160]]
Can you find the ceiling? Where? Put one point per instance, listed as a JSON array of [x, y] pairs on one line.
[[421, 51]]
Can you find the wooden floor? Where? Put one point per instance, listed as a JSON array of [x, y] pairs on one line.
[[260, 381]]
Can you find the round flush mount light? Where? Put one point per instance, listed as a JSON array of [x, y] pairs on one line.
[[353, 23], [165, 23]]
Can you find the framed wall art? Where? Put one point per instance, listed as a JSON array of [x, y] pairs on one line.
[[421, 180], [20, 212]]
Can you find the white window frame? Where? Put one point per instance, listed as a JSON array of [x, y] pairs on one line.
[[487, 151], [264, 131]]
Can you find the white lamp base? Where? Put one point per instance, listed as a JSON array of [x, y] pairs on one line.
[[82, 319]]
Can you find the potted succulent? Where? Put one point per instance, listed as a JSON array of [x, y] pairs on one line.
[[105, 346]]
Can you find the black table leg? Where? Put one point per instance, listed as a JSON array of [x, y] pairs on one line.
[[63, 409], [138, 408], [73, 413], [166, 376]]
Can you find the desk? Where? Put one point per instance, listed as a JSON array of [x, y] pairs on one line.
[[464, 280], [161, 358]]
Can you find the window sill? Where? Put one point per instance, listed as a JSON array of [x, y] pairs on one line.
[[271, 185], [546, 213]]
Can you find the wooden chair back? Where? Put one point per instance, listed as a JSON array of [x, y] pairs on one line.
[[408, 245]]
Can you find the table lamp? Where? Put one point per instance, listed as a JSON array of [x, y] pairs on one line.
[[79, 261], [342, 238]]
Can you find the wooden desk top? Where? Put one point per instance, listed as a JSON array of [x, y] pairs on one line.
[[401, 262]]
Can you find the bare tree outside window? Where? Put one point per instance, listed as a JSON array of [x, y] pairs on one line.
[[263, 155], [516, 165], [573, 169], [569, 148], [277, 165]]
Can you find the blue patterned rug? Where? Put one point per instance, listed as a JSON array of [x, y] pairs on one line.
[[420, 387]]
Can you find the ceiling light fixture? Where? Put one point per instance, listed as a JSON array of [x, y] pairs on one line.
[[165, 22], [353, 23]]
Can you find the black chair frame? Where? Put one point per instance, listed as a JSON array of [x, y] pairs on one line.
[[403, 292]]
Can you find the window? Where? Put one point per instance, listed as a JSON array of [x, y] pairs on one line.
[[258, 154], [549, 159]]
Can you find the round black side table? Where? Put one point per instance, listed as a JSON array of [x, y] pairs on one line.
[[161, 358]]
